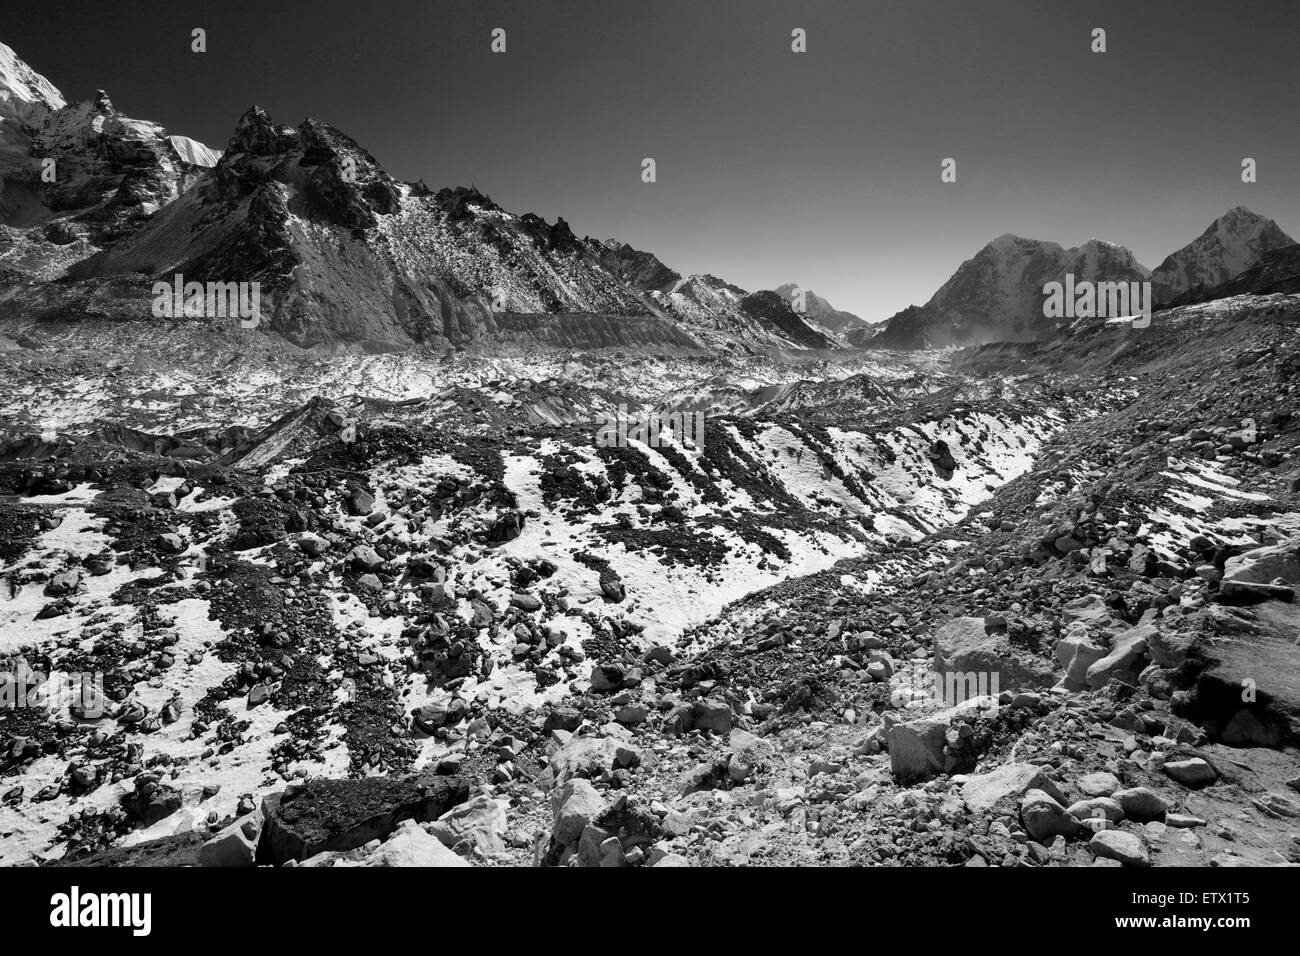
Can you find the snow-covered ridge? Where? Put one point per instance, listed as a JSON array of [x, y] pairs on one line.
[[22, 88], [194, 152]]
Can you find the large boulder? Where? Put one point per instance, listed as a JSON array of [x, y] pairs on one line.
[[1141, 804], [712, 715], [1126, 659], [1076, 652], [339, 815], [364, 558], [236, 845], [1247, 690], [574, 805], [917, 748], [62, 584], [1192, 772], [411, 845], [933, 744], [962, 649], [592, 756], [982, 792], [1045, 819], [1091, 612], [1261, 574], [1120, 845], [473, 828]]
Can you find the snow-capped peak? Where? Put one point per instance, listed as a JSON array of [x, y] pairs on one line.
[[20, 84], [194, 152], [1228, 247]]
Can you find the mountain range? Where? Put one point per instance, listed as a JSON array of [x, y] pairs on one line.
[[998, 294], [96, 206], [343, 252]]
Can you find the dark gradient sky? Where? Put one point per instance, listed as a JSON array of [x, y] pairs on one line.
[[820, 168]]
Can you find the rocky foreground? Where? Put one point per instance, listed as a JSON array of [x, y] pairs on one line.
[[1029, 604]]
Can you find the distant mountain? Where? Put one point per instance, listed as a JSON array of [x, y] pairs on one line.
[[711, 308], [998, 294], [1277, 272], [826, 315], [772, 309], [1231, 244]]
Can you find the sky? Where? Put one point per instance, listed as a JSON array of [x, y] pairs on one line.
[[819, 168]]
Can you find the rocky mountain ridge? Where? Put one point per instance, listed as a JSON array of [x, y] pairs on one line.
[[344, 254], [998, 294], [1235, 242]]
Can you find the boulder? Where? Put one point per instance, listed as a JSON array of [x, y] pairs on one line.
[[712, 715], [929, 745], [574, 805], [313, 545], [606, 678], [1097, 784], [916, 748], [1077, 652], [961, 647], [359, 502], [983, 792], [236, 845], [1091, 612], [592, 756], [1126, 659], [525, 601], [338, 815], [1193, 772], [1120, 845], [1045, 819], [1261, 574], [410, 846], [169, 543], [507, 527], [598, 847], [1097, 808], [475, 827], [62, 584], [702, 776], [562, 718], [1249, 664], [365, 558], [1141, 804]]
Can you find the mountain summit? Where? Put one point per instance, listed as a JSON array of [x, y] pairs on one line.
[[836, 321], [998, 294], [75, 177], [1231, 244], [23, 91]]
